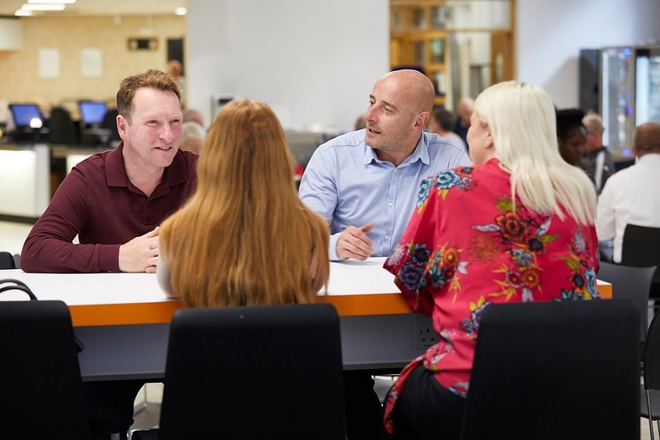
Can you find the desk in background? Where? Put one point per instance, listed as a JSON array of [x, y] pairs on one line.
[[123, 319], [26, 176]]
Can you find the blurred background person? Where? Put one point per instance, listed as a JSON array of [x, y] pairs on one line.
[[571, 135], [442, 121], [360, 123], [194, 115], [464, 113], [192, 137], [597, 160], [175, 70], [632, 195]]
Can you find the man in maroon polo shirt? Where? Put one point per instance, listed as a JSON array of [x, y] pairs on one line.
[[114, 201]]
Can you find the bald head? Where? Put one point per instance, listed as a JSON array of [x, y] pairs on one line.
[[414, 88], [400, 105], [194, 116], [465, 109], [647, 139]]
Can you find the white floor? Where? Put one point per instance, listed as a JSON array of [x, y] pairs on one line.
[[12, 236], [148, 410], [147, 406]]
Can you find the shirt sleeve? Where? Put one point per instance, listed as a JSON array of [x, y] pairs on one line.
[[164, 274], [318, 191], [49, 246], [460, 159]]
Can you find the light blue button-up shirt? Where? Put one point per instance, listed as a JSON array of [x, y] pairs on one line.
[[347, 185]]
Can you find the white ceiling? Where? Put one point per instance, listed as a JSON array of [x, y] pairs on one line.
[[103, 7]]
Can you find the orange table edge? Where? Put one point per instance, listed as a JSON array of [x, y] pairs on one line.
[[161, 312]]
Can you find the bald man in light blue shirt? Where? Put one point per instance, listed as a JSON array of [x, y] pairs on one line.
[[365, 183]]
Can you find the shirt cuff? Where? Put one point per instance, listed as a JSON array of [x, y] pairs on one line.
[[332, 249], [109, 258]]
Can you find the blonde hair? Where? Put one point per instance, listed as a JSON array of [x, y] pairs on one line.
[[522, 122], [244, 237]]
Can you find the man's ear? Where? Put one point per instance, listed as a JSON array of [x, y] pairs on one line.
[[421, 120], [121, 125]]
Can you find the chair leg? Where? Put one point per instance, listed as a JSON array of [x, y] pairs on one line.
[[144, 403], [650, 412]]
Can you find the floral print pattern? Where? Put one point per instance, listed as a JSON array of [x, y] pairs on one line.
[[469, 245]]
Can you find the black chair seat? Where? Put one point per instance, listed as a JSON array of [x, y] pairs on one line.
[[655, 403], [632, 283], [641, 248]]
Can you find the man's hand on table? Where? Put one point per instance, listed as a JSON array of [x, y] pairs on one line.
[[354, 243], [140, 254]]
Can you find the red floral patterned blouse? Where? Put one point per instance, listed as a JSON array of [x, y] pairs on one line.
[[467, 247]]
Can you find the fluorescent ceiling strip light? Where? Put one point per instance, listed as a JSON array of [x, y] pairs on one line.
[[66, 2], [43, 7], [22, 13]]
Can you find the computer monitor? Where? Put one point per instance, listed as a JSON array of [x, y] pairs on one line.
[[23, 114], [92, 112]]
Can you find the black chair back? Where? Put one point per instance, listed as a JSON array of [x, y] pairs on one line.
[[641, 248], [62, 129], [555, 370], [109, 122], [632, 283], [7, 260], [254, 372], [41, 390]]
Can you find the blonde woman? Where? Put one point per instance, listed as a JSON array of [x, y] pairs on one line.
[[244, 237], [517, 225]]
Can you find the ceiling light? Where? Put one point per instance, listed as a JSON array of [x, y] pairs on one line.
[[43, 7], [22, 13], [66, 2], [181, 11]]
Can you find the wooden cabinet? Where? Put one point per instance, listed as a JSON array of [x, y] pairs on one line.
[[418, 39], [463, 46]]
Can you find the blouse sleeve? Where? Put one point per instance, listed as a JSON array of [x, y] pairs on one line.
[[409, 260], [163, 273]]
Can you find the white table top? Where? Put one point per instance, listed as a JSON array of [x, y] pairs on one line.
[[346, 278], [355, 288]]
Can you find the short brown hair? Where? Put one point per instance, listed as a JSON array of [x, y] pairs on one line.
[[152, 78], [646, 137]]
